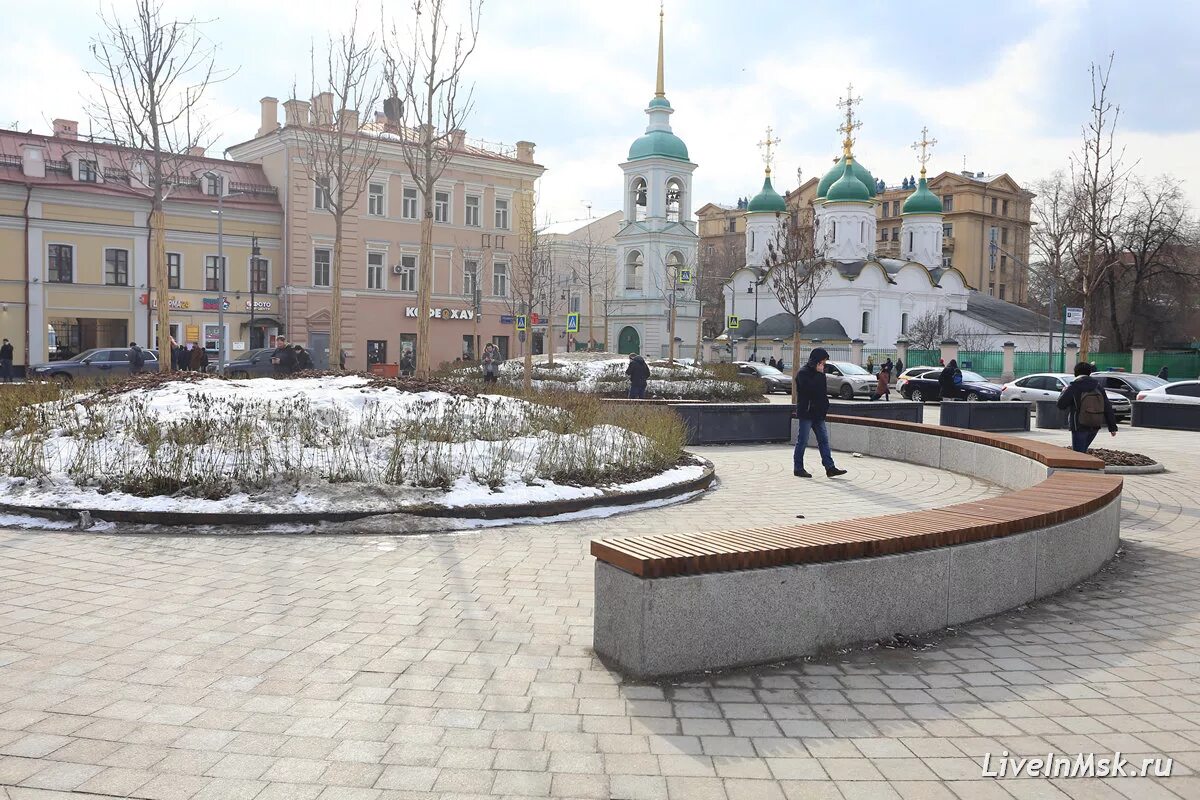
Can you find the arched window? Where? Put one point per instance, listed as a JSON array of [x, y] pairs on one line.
[[633, 271], [833, 231], [862, 231], [676, 263], [674, 200], [866, 322], [904, 322], [910, 241], [751, 241], [637, 200]]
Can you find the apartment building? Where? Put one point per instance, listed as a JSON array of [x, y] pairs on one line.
[[75, 236], [478, 200]]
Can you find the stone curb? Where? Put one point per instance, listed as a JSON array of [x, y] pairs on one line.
[[493, 512], [1148, 469]]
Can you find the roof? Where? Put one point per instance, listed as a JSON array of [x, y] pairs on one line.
[[600, 229], [848, 187], [767, 200], [658, 143], [1008, 317], [862, 173], [922, 201], [780, 326]]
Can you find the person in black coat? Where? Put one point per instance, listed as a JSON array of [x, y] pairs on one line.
[[284, 358], [6, 359], [639, 373], [137, 358], [950, 380], [812, 405], [1071, 401]]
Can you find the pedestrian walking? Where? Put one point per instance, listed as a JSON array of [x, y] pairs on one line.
[[871, 364], [883, 387], [1088, 408], [407, 365], [1162, 373], [771, 363], [490, 363], [639, 373], [899, 367], [198, 359], [284, 358], [137, 358], [950, 380], [303, 359], [812, 405], [341, 359], [6, 359]]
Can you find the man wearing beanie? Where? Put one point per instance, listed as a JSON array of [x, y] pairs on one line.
[[812, 404]]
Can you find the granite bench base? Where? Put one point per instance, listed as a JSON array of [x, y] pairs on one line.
[[650, 628]]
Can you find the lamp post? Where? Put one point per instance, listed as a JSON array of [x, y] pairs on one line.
[[255, 252], [219, 186]]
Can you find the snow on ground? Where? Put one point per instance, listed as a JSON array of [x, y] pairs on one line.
[[313, 445]]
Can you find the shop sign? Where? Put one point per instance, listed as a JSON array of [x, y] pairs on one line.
[[193, 333], [214, 303], [443, 313], [507, 319], [259, 305], [173, 303]]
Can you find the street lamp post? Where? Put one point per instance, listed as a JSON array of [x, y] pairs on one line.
[[217, 183]]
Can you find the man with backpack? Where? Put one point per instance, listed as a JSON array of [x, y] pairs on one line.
[[1088, 408], [137, 358]]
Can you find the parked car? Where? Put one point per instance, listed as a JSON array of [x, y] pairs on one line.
[[926, 387], [773, 380], [254, 364], [1184, 392], [1128, 384], [99, 362], [1049, 385], [913, 372], [845, 380]]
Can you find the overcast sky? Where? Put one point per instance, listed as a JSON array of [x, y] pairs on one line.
[[1004, 85]]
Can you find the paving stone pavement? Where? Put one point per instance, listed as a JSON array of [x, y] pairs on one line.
[[459, 665]]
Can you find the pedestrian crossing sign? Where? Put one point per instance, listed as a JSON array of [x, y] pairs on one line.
[[573, 322], [685, 276], [522, 323], [732, 322]]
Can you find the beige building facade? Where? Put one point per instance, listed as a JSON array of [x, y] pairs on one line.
[[478, 200], [74, 233]]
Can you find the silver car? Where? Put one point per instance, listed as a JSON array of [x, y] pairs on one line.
[[845, 380]]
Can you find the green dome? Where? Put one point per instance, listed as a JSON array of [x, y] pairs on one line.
[[658, 143], [860, 172], [848, 188], [767, 200], [922, 201], [659, 102]]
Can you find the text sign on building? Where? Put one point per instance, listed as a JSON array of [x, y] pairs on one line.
[[732, 322], [573, 322], [507, 319], [259, 305], [1073, 316], [443, 313], [215, 303]]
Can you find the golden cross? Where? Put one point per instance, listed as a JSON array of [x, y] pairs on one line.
[[924, 146], [850, 125], [768, 144]]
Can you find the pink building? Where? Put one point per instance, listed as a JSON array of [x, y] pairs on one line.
[[474, 240]]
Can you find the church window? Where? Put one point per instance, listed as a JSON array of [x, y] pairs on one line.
[[751, 241], [910, 241], [866, 322], [833, 231], [633, 271], [862, 231], [674, 199], [904, 322], [637, 197]]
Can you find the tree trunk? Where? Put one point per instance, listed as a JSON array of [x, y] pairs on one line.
[[550, 339], [699, 327], [158, 267], [335, 312], [671, 336], [425, 286], [591, 320], [796, 345]]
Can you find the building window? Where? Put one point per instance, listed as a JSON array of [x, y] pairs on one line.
[[709, 251], [89, 171], [833, 231], [947, 202], [468, 347], [633, 271], [1004, 208], [321, 198], [212, 273], [174, 270], [895, 234], [409, 204], [260, 269], [1003, 263], [751, 241], [992, 289], [862, 231], [947, 262], [376, 351], [116, 267], [731, 225], [995, 202], [904, 322], [441, 206], [1002, 287], [866, 322], [321, 260], [472, 207], [211, 185], [500, 280], [408, 273], [1004, 236], [948, 230], [502, 214], [501, 343], [674, 199], [470, 277], [910, 241], [375, 199], [375, 279], [61, 263], [573, 303], [883, 234]]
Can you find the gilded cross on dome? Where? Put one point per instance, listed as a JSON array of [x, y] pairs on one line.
[[924, 144], [851, 124], [768, 145]]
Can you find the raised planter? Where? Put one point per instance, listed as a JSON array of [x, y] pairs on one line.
[[1172, 416], [996, 416], [903, 411], [1049, 415], [731, 423]]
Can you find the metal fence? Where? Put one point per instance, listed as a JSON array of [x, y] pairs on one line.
[[1029, 363], [989, 365], [1103, 361], [923, 358], [1181, 366]]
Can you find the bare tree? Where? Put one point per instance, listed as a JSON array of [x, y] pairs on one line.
[[1098, 185], [714, 269], [796, 271], [337, 157], [591, 266], [424, 73], [1053, 237], [926, 332], [673, 283], [152, 76], [970, 339], [528, 271]]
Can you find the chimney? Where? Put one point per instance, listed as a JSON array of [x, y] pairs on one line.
[[323, 109], [349, 120], [393, 110], [525, 151], [33, 163], [380, 119], [296, 113], [269, 108], [458, 138], [196, 152], [66, 129]]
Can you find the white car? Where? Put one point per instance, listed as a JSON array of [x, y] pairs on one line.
[[1185, 392], [913, 372], [1049, 385]]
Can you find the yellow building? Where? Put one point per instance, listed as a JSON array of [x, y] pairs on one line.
[[74, 248]]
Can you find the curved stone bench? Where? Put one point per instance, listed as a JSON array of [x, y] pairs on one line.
[[675, 603]]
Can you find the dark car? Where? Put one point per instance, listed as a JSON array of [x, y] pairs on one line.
[[97, 363], [1128, 384], [254, 364], [773, 380], [973, 387]]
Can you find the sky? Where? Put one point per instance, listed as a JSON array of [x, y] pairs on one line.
[[1003, 86]]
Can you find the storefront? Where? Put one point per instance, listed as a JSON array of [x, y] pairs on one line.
[[196, 318]]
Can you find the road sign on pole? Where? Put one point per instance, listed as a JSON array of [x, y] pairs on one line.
[[522, 323], [1074, 316], [732, 322], [573, 322]]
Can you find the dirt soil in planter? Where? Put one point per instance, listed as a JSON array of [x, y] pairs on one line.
[[1121, 458]]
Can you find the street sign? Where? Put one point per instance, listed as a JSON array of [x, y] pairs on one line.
[[522, 323], [732, 322], [573, 322], [521, 336], [685, 276], [507, 319], [1073, 316]]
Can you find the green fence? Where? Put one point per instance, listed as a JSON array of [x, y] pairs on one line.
[[1181, 366], [989, 365], [1103, 361], [923, 358], [1029, 363]]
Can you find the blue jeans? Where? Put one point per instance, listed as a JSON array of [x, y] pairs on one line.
[[637, 391], [817, 426], [1082, 439]]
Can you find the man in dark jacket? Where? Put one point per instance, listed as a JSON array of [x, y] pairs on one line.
[[1081, 418], [639, 373], [950, 380], [6, 359], [812, 404], [284, 358], [137, 359], [303, 359]]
